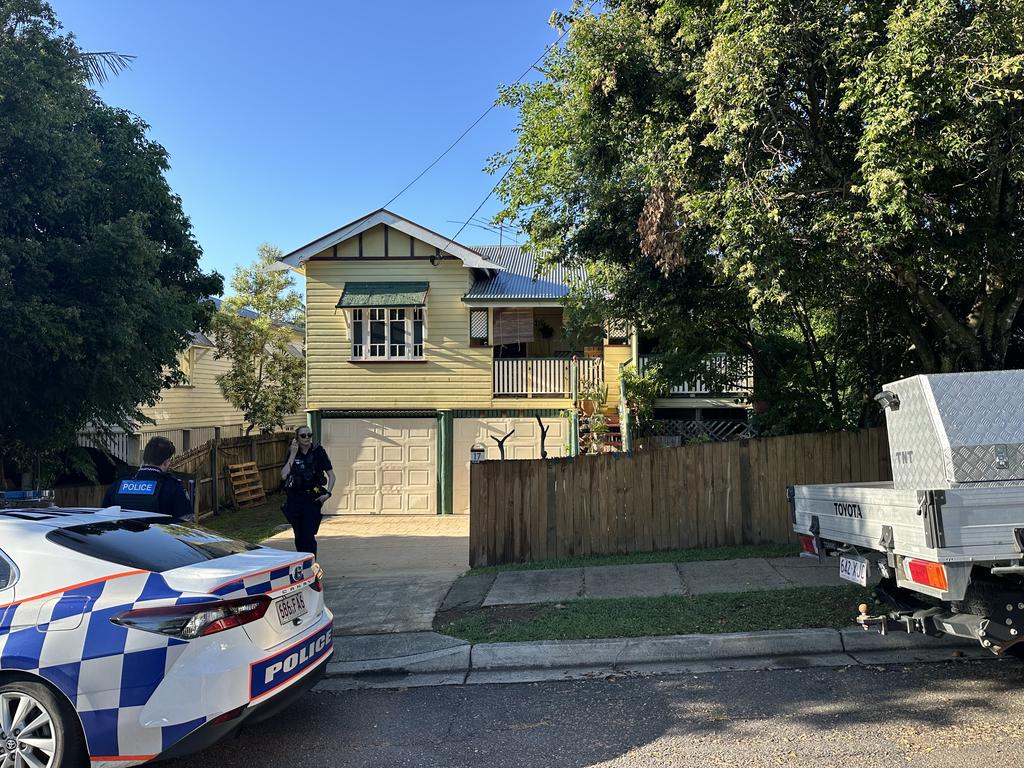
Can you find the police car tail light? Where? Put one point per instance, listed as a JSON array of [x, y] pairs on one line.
[[317, 584], [198, 620]]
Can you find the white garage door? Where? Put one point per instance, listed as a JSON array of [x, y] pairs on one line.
[[384, 466], [524, 444]]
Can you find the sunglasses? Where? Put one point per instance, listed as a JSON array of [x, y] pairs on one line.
[[306, 434]]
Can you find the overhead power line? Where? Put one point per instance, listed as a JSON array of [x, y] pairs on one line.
[[486, 198], [486, 112]]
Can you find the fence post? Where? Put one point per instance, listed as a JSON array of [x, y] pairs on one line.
[[625, 417], [551, 516], [214, 475], [574, 421]]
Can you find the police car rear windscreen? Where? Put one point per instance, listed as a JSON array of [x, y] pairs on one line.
[[145, 545]]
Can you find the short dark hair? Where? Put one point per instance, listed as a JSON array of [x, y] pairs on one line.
[[158, 450]]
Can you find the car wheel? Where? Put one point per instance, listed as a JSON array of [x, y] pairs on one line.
[[38, 729]]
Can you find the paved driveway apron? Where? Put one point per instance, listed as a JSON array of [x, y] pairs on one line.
[[388, 573]]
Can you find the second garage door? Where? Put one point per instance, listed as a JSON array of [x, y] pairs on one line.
[[523, 444], [383, 466]]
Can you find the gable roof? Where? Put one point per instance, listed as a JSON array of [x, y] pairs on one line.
[[519, 278], [469, 256], [200, 339]]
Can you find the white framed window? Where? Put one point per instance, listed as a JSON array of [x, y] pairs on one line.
[[388, 333]]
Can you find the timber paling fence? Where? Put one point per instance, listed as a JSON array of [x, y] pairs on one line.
[[207, 464], [707, 495]]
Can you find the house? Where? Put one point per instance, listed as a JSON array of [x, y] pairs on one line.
[[419, 347], [191, 412], [198, 401]]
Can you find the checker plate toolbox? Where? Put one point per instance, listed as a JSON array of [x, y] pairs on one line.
[[946, 535]]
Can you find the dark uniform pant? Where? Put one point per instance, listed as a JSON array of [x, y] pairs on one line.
[[303, 512]]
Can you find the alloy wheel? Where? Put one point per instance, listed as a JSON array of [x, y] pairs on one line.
[[27, 738]]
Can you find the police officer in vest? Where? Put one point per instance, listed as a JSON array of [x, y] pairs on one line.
[[308, 480], [152, 489]]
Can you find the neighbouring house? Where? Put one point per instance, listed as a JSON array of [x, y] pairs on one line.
[[419, 347], [191, 412]]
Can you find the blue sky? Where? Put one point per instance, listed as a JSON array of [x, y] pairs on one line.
[[285, 121]]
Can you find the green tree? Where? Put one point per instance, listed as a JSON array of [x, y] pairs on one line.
[[253, 329], [831, 188], [100, 283]]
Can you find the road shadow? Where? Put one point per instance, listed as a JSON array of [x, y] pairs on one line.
[[785, 715]]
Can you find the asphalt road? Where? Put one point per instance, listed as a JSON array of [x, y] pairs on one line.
[[950, 714]]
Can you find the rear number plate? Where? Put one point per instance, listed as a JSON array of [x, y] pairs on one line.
[[290, 607], [853, 569]]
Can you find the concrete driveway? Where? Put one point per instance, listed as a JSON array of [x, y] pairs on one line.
[[388, 573]]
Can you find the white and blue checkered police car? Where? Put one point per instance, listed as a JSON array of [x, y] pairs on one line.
[[125, 637]]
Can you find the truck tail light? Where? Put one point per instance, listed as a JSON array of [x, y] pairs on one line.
[[808, 545], [927, 573], [196, 620]]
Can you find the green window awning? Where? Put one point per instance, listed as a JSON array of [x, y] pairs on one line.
[[364, 295]]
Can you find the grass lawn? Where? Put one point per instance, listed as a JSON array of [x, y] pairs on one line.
[[253, 524], [665, 556], [796, 608]]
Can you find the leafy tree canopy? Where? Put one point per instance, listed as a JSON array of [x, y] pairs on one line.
[[831, 188], [100, 282], [253, 329]]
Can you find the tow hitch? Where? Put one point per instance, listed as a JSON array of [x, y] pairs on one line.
[[867, 621], [921, 620]]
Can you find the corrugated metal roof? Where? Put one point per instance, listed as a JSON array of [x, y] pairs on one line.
[[520, 279], [200, 339]]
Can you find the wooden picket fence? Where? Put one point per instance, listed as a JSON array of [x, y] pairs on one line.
[[79, 495], [208, 464], [708, 495]]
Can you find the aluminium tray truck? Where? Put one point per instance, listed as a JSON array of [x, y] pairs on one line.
[[946, 536]]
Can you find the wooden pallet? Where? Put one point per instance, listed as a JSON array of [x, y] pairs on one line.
[[246, 485]]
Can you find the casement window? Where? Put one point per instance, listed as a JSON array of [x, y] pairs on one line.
[[388, 333]]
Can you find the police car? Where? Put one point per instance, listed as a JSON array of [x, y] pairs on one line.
[[125, 637]]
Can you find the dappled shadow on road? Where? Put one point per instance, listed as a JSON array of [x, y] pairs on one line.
[[796, 716]]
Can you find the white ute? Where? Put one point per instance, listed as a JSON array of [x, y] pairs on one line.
[[946, 536]]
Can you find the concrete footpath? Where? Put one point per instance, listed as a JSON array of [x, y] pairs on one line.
[[387, 577]]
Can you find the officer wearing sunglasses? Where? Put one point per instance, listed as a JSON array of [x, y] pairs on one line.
[[308, 479]]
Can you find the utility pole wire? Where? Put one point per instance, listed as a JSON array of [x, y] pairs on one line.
[[486, 112], [486, 198]]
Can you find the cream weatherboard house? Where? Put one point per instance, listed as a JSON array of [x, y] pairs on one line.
[[418, 347], [195, 410]]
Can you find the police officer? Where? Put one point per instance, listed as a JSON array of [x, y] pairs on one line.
[[152, 489], [308, 479]]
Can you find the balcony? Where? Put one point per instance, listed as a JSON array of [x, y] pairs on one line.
[[544, 377], [742, 385]]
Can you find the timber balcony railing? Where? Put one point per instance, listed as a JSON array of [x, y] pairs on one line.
[[743, 384], [545, 376]]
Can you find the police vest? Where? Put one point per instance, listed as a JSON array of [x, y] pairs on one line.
[[140, 494]]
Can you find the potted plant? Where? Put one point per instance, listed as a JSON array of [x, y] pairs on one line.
[[592, 398]]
